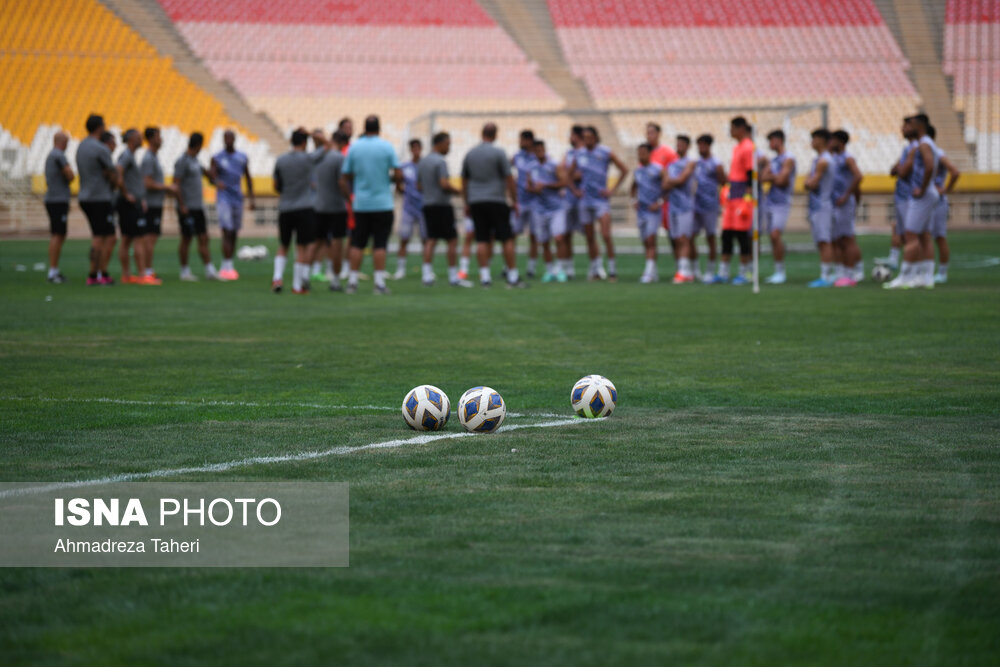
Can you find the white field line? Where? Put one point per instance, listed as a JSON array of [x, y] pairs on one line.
[[268, 460], [235, 404]]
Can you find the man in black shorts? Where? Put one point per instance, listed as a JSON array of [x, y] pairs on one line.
[[132, 212], [369, 172], [293, 180], [485, 177], [331, 207], [97, 177], [58, 176], [156, 190], [188, 175], [439, 214]]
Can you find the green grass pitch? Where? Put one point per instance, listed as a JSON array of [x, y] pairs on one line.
[[801, 476]]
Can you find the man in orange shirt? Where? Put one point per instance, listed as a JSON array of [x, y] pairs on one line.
[[662, 155], [738, 216]]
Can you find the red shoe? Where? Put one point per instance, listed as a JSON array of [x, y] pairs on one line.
[[229, 274], [93, 282], [276, 286], [300, 291], [148, 280], [106, 281]]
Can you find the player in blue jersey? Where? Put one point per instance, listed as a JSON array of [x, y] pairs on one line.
[[412, 218], [647, 192], [846, 181], [917, 269], [779, 171], [679, 182], [819, 184], [939, 224], [593, 162], [547, 182], [710, 176], [900, 200], [230, 166], [523, 162], [573, 195]]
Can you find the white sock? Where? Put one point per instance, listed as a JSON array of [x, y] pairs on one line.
[[550, 267], [484, 274], [724, 270], [905, 269], [53, 271], [744, 270], [894, 256], [227, 265], [345, 271], [300, 275], [942, 269], [317, 267], [709, 267], [452, 274], [779, 267], [612, 266], [570, 269], [352, 278], [532, 263], [513, 275], [684, 266], [401, 264], [328, 266], [428, 272], [859, 271], [279, 267], [148, 272], [826, 271], [335, 280], [186, 270], [650, 267], [380, 277], [209, 270], [463, 264]]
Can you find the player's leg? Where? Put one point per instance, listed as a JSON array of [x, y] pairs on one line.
[[468, 237], [281, 257], [230, 224], [940, 234], [407, 222], [821, 225], [184, 247], [588, 218], [727, 254], [649, 223], [746, 257], [58, 215], [305, 240], [430, 244], [154, 217], [914, 268], [609, 243], [381, 225], [776, 219]]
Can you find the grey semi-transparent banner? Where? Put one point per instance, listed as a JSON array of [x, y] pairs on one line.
[[175, 524]]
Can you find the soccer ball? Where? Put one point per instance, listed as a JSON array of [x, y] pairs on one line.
[[260, 252], [594, 396], [881, 273], [245, 253], [481, 410], [426, 408]]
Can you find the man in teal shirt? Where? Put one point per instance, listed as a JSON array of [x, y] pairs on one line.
[[369, 172]]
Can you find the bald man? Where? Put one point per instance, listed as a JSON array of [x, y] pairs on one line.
[[229, 166], [58, 176]]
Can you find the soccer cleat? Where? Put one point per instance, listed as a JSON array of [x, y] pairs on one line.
[[520, 284], [485, 283], [460, 283], [351, 289], [381, 290], [561, 277], [229, 274], [548, 277], [601, 273], [149, 280], [845, 281], [648, 278], [106, 281], [428, 283], [276, 286], [57, 279], [719, 280], [399, 274], [320, 277], [304, 290], [612, 277], [776, 279], [819, 282], [128, 280], [740, 280], [940, 278], [335, 286], [531, 274], [93, 282], [463, 275], [191, 278]]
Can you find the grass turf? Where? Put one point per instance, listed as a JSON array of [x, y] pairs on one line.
[[799, 476]]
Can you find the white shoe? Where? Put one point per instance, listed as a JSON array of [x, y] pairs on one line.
[[601, 273], [649, 278], [189, 278], [940, 278], [776, 279], [899, 282], [399, 274]]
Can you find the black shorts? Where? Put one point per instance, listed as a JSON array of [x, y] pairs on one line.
[[192, 223], [440, 221], [131, 219], [100, 217], [58, 213], [491, 220], [730, 235], [331, 226], [374, 224], [300, 221], [154, 220]]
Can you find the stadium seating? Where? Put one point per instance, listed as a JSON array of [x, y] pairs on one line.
[[74, 58], [701, 53], [971, 54], [396, 58]]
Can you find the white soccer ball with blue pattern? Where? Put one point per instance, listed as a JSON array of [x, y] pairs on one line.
[[594, 397], [426, 408], [481, 410], [881, 273]]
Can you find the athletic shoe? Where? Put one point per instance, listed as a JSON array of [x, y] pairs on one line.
[[276, 286], [520, 284], [740, 280], [428, 283], [844, 281], [681, 279], [351, 289], [460, 283], [561, 277], [819, 282], [548, 277], [57, 279], [149, 280], [601, 274], [939, 278], [399, 274], [335, 286], [381, 290], [191, 278], [531, 274], [463, 275], [93, 282], [106, 281], [320, 277], [885, 261], [129, 280], [229, 274], [776, 279], [648, 278], [612, 277], [304, 290], [899, 282], [485, 283]]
